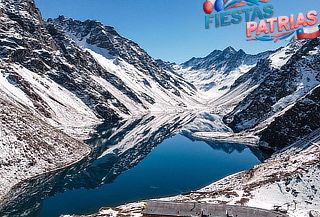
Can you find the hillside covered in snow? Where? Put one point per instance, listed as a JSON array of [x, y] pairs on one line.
[[278, 109]]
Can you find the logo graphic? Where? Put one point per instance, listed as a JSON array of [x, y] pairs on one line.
[[221, 13], [220, 5], [290, 28]]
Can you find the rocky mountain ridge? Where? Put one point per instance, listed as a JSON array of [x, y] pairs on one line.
[[214, 74], [280, 81]]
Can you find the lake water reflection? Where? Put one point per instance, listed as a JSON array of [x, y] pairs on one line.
[[148, 157]]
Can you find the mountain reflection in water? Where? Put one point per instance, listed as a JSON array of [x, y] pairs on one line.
[[119, 147]]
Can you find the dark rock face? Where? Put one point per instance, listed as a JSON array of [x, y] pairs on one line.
[[299, 121], [23, 17], [275, 84], [32, 45]]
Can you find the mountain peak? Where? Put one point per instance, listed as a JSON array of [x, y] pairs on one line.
[[241, 51], [61, 17], [229, 50]]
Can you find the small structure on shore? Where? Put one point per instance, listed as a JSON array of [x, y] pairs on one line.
[[166, 209]]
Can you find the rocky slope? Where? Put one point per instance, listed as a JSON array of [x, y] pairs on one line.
[[36, 73], [277, 82], [145, 83], [30, 146], [301, 120]]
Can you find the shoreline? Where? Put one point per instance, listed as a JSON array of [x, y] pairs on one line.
[[235, 138], [83, 158]]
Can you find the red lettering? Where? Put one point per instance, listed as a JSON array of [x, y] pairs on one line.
[[262, 27], [312, 17], [271, 21], [301, 20], [283, 21], [251, 27]]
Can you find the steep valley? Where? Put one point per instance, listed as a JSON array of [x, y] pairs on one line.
[[62, 80]]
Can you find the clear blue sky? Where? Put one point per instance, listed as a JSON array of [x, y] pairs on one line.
[[172, 30]]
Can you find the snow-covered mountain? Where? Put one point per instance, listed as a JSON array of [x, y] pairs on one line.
[[214, 74], [145, 84], [75, 72], [29, 146], [275, 83]]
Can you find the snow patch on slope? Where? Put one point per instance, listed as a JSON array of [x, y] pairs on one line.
[[213, 84], [136, 109], [68, 112], [281, 57], [137, 81], [13, 91]]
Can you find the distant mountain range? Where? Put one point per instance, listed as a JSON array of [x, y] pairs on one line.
[[214, 74]]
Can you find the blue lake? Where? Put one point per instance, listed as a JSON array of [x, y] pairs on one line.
[[175, 166], [137, 159]]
